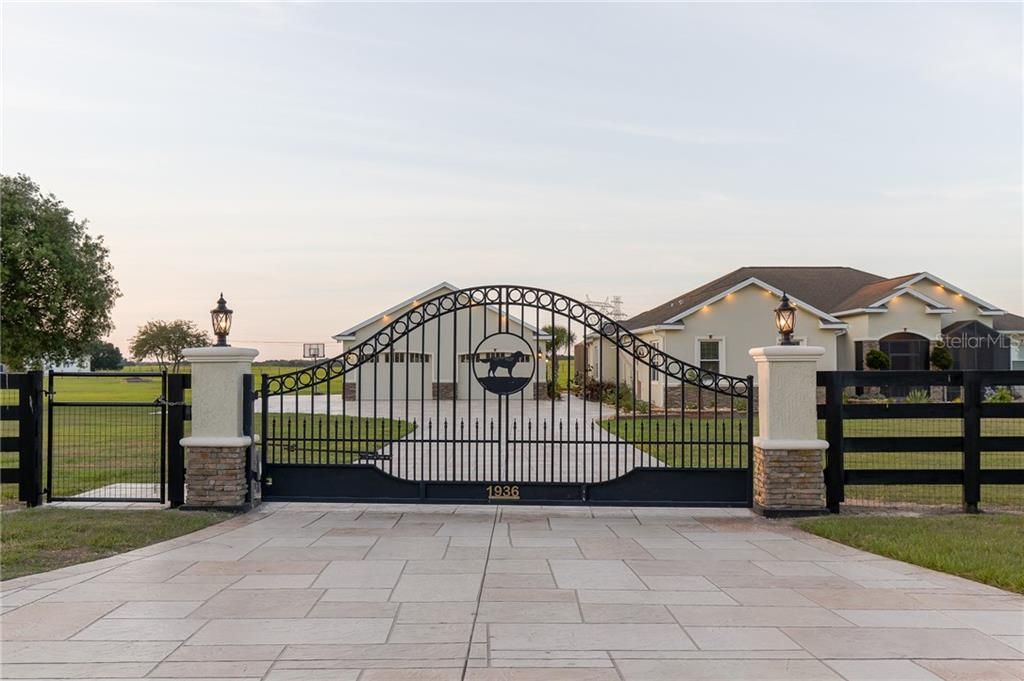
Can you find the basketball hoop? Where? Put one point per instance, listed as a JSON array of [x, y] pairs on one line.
[[313, 351]]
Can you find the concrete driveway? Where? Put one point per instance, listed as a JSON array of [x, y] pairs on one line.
[[303, 592]]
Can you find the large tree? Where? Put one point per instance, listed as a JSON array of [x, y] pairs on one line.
[[56, 285], [104, 356], [165, 341]]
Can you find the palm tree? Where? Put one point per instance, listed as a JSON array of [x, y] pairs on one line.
[[560, 337]]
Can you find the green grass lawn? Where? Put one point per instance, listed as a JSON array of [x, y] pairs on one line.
[[318, 438], [685, 442], [566, 372], [40, 539], [98, 446], [985, 548]]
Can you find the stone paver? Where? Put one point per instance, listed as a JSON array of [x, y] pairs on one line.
[[351, 592]]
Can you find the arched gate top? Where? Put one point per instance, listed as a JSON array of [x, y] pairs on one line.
[[506, 296]]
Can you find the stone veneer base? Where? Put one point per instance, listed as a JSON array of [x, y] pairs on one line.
[[215, 478], [789, 482]]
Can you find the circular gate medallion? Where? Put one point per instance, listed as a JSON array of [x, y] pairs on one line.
[[503, 363]]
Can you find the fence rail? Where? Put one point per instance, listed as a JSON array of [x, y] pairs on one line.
[[947, 435]]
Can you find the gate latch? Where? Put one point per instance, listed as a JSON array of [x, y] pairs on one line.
[[268, 481]]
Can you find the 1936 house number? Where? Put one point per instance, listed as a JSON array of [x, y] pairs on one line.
[[503, 492]]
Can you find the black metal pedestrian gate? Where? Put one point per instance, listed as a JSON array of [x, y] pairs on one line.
[[115, 436], [470, 397]]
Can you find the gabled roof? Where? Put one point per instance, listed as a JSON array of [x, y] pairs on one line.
[[1008, 322], [882, 304], [870, 294], [983, 306], [818, 287], [422, 295], [829, 292]]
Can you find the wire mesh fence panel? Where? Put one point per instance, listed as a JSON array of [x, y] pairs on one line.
[[9, 397], [1002, 496], [107, 437], [896, 458]]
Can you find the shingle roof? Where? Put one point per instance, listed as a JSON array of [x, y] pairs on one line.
[[821, 287], [1008, 322], [871, 293], [829, 289]]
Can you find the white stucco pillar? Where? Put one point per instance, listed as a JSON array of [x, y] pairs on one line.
[[788, 455], [215, 461]]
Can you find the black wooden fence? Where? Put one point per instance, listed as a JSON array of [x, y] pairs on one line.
[[950, 434], [95, 448], [23, 411]]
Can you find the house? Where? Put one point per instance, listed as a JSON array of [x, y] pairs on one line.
[[1011, 326], [847, 311], [70, 366], [436, 359]]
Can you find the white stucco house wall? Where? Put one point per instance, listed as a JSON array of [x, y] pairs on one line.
[[435, 360], [844, 310]]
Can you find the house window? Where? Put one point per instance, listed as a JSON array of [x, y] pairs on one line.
[[413, 357], [710, 354], [654, 374], [1016, 352]]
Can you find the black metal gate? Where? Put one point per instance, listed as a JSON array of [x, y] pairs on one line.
[[107, 435], [470, 397]]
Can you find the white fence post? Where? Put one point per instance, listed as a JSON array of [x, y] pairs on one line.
[[215, 473]]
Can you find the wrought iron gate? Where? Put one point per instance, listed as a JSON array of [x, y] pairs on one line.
[[466, 398]]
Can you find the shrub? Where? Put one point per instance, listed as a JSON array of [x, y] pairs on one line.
[[610, 394], [877, 360], [941, 358], [1000, 395], [553, 392], [592, 389], [919, 396]]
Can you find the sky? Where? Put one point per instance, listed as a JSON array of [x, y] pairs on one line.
[[321, 162]]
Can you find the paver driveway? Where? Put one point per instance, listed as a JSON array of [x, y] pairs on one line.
[[352, 592]]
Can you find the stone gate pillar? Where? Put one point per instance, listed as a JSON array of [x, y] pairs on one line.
[[215, 470], [788, 456]]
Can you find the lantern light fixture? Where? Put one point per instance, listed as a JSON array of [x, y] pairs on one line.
[[785, 320], [221, 318]]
